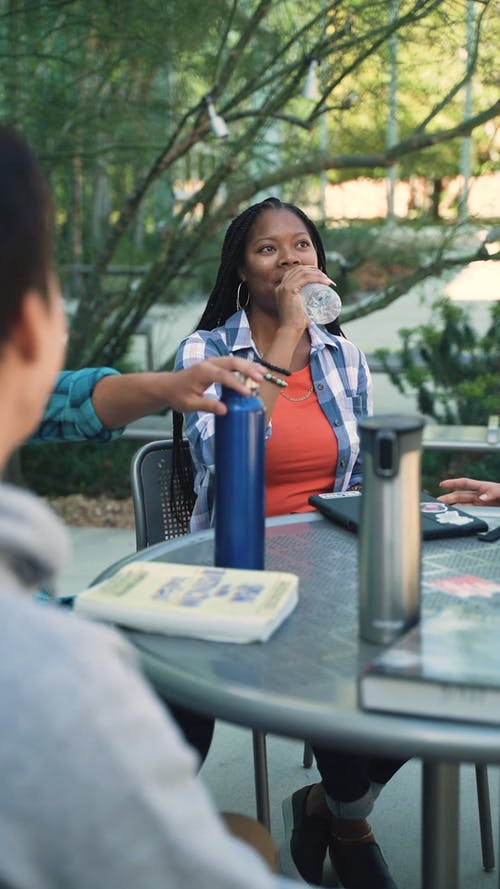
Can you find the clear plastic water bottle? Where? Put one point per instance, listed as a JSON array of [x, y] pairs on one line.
[[321, 302], [240, 482]]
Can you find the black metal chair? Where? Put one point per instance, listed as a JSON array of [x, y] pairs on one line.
[[161, 513]]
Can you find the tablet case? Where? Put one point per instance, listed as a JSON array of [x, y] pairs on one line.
[[438, 519]]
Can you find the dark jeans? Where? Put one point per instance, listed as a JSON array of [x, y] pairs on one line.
[[347, 776], [197, 730]]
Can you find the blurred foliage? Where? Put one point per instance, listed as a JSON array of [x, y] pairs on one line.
[[82, 468], [455, 374], [113, 98], [95, 469], [453, 370]]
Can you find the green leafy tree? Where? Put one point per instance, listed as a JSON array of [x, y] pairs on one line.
[[455, 373], [453, 370], [114, 97]]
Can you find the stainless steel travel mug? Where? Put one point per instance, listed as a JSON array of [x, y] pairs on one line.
[[390, 531]]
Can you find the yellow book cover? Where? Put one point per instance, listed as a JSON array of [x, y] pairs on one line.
[[218, 604]]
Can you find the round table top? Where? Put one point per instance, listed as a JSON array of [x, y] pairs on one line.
[[303, 682]]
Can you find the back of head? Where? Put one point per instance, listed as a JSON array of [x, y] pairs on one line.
[[25, 241]]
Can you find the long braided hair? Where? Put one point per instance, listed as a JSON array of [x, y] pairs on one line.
[[222, 304]]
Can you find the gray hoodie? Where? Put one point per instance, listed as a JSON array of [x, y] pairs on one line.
[[97, 788]]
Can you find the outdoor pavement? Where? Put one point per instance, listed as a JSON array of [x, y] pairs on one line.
[[228, 771]]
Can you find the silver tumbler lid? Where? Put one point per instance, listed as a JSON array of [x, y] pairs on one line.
[[385, 437]]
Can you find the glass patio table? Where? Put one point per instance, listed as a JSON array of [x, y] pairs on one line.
[[303, 682]]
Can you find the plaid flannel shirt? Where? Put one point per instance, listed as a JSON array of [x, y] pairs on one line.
[[341, 380], [69, 414]]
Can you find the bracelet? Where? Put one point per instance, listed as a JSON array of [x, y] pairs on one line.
[[276, 380], [278, 370]]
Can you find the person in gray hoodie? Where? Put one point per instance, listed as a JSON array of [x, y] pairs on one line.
[[98, 788]]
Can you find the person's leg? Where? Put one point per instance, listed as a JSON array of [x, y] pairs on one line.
[[333, 815], [345, 776], [351, 782], [351, 785], [381, 769], [198, 730]]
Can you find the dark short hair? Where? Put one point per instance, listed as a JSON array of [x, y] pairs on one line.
[[25, 236]]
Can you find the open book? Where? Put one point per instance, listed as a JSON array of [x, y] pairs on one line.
[[218, 604]]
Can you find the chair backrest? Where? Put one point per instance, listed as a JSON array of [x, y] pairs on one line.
[[160, 511]]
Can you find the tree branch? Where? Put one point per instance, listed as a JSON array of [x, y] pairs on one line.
[[471, 64], [436, 267]]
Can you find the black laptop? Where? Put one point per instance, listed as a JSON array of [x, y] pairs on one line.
[[438, 519]]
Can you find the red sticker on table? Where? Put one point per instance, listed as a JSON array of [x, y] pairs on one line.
[[467, 585]]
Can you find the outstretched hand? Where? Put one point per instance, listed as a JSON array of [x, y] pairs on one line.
[[189, 384], [470, 491]]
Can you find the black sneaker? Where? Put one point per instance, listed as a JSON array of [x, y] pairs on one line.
[[303, 852], [360, 865]]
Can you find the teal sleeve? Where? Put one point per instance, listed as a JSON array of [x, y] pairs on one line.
[[69, 414]]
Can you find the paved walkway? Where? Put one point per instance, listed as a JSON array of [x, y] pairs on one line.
[[93, 550]]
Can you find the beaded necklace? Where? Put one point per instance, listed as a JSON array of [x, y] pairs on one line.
[[288, 397]]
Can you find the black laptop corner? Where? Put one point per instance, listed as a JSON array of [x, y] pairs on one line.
[[438, 519]]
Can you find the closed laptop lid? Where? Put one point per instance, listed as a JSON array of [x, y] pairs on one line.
[[438, 519]]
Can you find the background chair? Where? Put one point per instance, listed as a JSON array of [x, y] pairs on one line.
[[162, 512]]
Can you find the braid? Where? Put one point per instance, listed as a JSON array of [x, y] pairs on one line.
[[222, 300], [220, 306]]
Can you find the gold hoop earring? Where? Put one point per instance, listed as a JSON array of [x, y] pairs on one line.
[[239, 305]]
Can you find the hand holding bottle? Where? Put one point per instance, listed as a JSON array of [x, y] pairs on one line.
[[321, 302], [310, 289]]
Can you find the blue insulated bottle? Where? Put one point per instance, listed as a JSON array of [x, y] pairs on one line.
[[239, 482]]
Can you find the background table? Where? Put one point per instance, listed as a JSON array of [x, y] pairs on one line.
[[463, 438], [303, 681]]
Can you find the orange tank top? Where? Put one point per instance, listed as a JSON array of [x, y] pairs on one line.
[[302, 452]]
